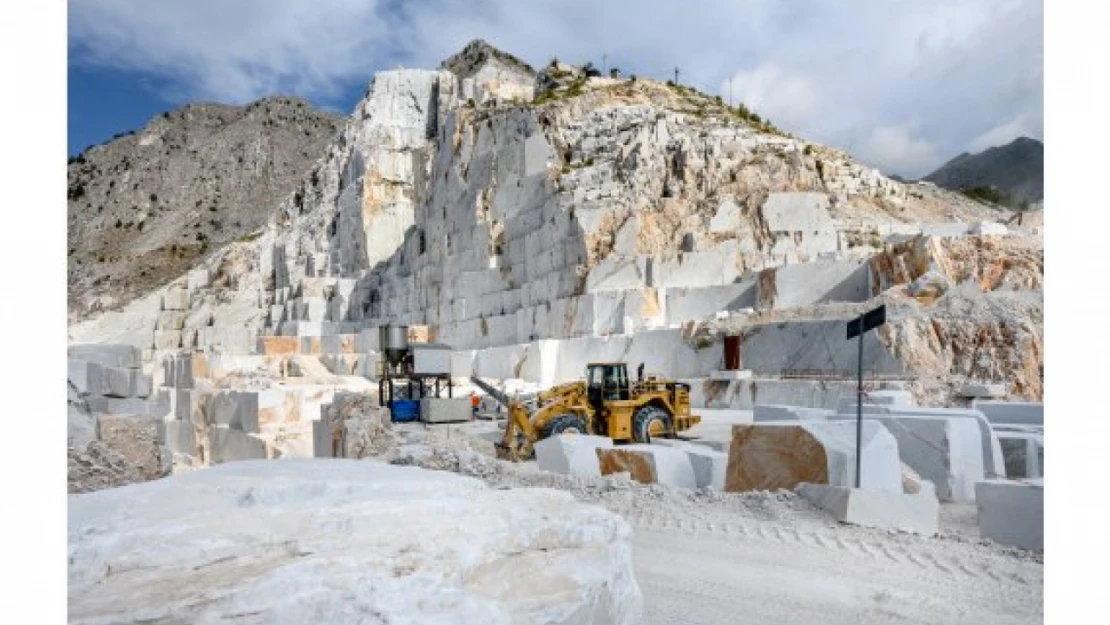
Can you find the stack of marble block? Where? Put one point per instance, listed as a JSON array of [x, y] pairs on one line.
[[182, 324], [111, 381], [1020, 429], [341, 354], [218, 425], [315, 306], [111, 402]]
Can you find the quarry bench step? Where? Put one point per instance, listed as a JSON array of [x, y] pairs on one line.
[[823, 374]]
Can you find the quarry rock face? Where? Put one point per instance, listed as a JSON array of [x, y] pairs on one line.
[[344, 539], [486, 73], [148, 205], [450, 199]]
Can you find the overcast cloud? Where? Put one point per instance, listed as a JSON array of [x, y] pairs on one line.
[[902, 85]]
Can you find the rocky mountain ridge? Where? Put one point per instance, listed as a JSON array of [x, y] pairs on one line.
[[1014, 172], [148, 205]]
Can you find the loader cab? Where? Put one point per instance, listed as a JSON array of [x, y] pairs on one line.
[[606, 382]]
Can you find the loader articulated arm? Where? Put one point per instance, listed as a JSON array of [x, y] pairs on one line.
[[491, 391], [524, 428]]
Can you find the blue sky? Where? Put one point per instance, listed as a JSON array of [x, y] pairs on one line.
[[901, 86], [104, 101]]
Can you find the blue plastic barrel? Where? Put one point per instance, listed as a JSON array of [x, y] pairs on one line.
[[405, 410]]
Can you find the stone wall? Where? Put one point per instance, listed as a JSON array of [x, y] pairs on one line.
[[114, 432], [813, 345]]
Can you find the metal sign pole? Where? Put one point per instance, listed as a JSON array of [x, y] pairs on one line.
[[857, 328]]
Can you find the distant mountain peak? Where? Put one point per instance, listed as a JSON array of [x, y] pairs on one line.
[[470, 59], [1015, 171]]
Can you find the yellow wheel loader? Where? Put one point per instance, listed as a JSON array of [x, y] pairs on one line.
[[606, 403]]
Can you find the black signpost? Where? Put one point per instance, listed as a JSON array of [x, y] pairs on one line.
[[858, 327]]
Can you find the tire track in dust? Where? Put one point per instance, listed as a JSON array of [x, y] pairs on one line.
[[898, 554], [967, 570], [841, 544], [889, 554], [868, 550], [763, 532], [915, 559], [800, 538], [990, 571], [823, 542], [778, 534], [936, 563]]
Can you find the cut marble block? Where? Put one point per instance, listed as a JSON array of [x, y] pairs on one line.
[[770, 456], [322, 446], [278, 345], [649, 464], [874, 401], [916, 513], [777, 412], [1017, 413], [571, 454], [1023, 453], [167, 339], [144, 385], [946, 449], [1012, 512], [197, 279], [107, 355], [738, 374], [228, 445], [180, 437], [444, 410], [234, 409], [117, 382], [709, 465], [984, 391], [175, 298], [78, 374]]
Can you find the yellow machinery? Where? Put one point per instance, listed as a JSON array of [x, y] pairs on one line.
[[606, 403]]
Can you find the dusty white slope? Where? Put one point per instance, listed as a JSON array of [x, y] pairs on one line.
[[343, 542]]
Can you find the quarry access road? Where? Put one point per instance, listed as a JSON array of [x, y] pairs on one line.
[[695, 571], [771, 557]]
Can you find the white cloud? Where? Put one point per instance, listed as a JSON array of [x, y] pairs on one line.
[[234, 51], [900, 150], [850, 73], [790, 100], [1021, 126]]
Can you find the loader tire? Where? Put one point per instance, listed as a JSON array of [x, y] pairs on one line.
[[566, 424], [651, 421]]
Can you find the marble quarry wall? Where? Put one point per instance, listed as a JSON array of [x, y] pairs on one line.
[[607, 222]]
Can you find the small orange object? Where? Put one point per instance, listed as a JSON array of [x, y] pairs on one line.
[[474, 401]]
